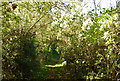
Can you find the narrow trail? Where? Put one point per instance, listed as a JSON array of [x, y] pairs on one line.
[[51, 74]]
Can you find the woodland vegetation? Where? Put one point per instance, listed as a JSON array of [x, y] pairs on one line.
[[36, 34]]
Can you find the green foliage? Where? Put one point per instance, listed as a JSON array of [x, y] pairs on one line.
[[19, 43], [34, 36]]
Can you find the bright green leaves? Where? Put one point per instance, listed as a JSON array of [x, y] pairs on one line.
[[19, 41], [40, 33]]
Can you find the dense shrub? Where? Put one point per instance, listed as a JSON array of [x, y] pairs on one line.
[[33, 35]]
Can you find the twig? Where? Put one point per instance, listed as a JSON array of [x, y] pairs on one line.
[[34, 25]]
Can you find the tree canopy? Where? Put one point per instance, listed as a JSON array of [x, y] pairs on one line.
[[55, 40]]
